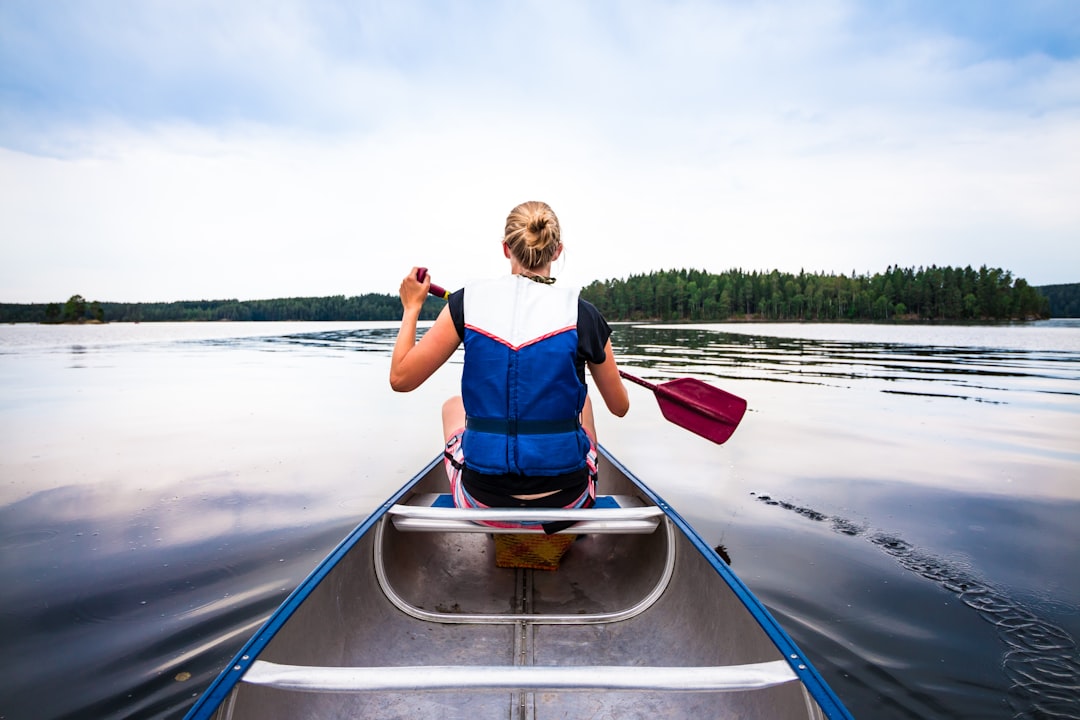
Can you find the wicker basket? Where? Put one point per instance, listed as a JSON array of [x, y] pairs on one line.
[[539, 552]]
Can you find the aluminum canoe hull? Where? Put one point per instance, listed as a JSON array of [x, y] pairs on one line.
[[410, 617]]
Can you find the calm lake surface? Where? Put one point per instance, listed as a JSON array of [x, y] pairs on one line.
[[905, 500]]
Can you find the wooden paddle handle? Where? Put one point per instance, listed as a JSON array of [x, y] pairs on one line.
[[434, 289]]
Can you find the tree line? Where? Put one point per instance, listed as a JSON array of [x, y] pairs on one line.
[[897, 294], [934, 293], [1064, 299], [372, 306]]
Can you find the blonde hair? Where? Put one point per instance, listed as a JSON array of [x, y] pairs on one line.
[[532, 234]]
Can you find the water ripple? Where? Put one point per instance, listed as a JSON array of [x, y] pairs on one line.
[[1042, 661], [372, 340], [934, 371]]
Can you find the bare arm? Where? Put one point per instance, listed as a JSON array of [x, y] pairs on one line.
[[606, 377], [414, 362]]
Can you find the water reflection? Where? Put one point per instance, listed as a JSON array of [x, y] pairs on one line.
[[979, 374], [77, 360], [366, 340], [159, 502], [121, 591]]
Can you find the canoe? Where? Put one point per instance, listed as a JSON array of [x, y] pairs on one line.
[[416, 614]]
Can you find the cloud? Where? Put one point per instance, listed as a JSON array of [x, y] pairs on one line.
[[351, 66], [158, 151]]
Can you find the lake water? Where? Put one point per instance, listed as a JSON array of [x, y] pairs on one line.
[[905, 500]]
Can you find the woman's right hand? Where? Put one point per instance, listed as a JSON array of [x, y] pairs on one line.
[[412, 291]]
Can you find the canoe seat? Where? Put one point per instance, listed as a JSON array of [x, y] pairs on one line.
[[612, 514], [723, 678]]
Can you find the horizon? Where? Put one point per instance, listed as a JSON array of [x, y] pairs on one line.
[[394, 294]]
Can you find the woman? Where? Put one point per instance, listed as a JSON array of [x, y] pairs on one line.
[[522, 432]]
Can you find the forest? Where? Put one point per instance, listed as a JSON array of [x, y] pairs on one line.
[[372, 306], [896, 295], [1064, 299]]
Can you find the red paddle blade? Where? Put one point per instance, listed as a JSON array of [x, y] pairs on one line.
[[701, 408]]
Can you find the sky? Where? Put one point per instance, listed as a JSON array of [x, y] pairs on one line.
[[155, 151]]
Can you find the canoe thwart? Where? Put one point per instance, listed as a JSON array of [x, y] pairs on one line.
[[723, 678], [431, 515]]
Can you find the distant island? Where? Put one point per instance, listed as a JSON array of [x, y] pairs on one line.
[[942, 294]]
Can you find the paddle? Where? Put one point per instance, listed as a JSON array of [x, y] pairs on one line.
[[690, 403], [435, 290], [697, 406]]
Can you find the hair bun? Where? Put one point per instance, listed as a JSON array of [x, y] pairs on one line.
[[532, 234]]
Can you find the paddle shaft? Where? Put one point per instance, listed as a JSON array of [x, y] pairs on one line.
[[643, 383]]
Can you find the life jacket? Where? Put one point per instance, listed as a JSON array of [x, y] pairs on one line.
[[520, 385]]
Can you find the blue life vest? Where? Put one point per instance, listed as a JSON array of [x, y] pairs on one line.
[[520, 385]]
